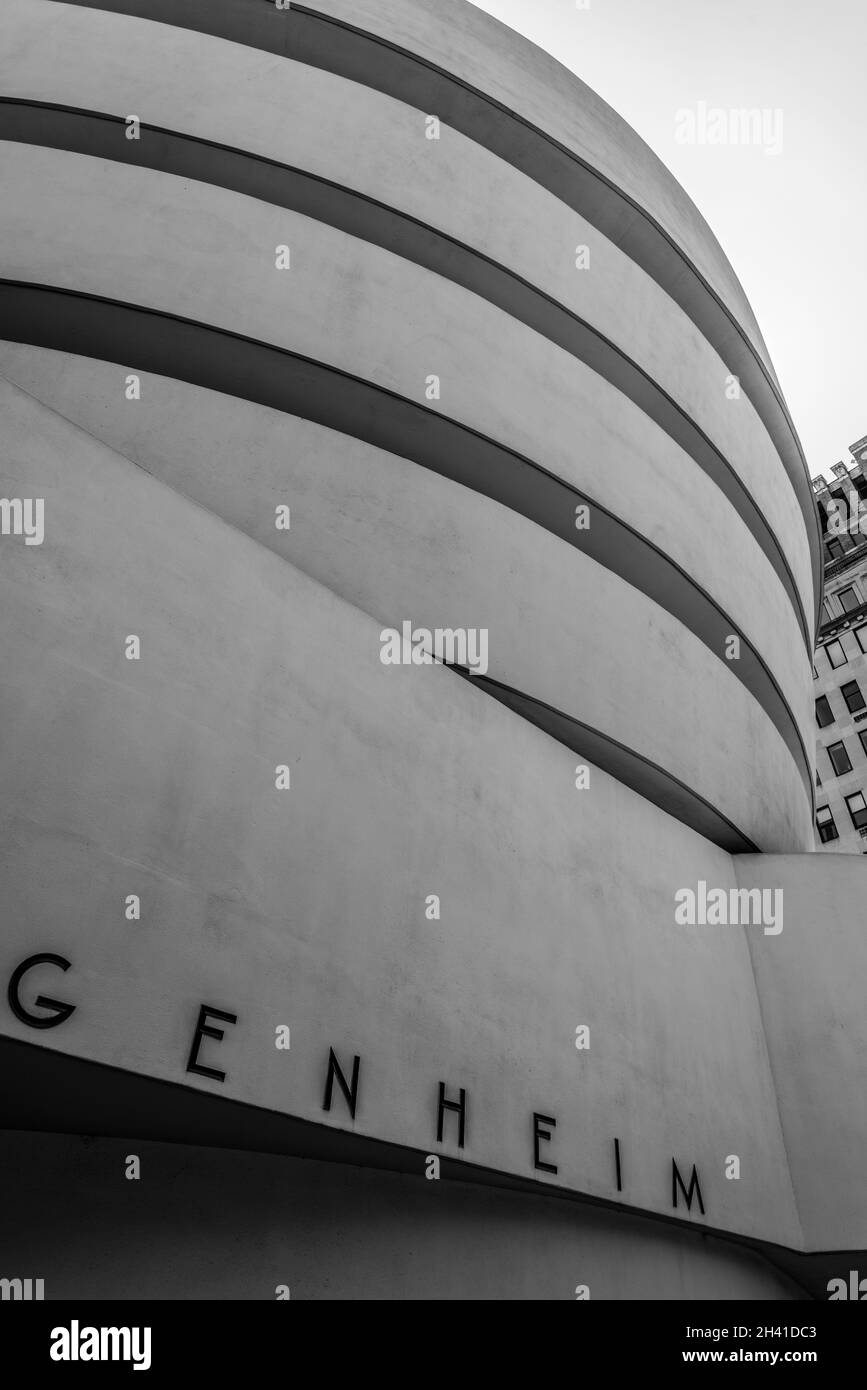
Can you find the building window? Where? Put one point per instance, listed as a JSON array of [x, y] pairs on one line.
[[825, 825], [857, 809], [851, 693], [835, 548], [849, 599], [836, 654], [863, 737], [827, 614], [839, 758], [824, 715], [861, 634]]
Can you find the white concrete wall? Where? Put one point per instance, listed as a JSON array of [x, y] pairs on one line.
[[365, 311], [307, 907], [812, 992], [150, 238], [490, 56], [401, 542], [311, 119]]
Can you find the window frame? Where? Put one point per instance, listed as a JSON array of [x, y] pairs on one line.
[[824, 723], [860, 811], [830, 823], [841, 746]]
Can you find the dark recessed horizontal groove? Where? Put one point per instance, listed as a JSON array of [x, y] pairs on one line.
[[101, 136], [635, 771], [308, 36], [215, 358]]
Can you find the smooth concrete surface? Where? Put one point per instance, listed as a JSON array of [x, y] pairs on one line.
[[812, 992], [480, 50], [580, 927], [405, 543], [366, 57], [307, 906], [398, 325], [209, 1224], [529, 394], [364, 140], [477, 50], [157, 777]]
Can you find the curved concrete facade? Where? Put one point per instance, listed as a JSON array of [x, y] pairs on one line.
[[665, 643]]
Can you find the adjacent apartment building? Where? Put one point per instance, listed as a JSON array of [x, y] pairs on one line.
[[840, 666]]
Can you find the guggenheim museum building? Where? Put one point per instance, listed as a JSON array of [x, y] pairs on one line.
[[408, 587]]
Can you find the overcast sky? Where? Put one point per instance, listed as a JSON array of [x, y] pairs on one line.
[[793, 225]]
